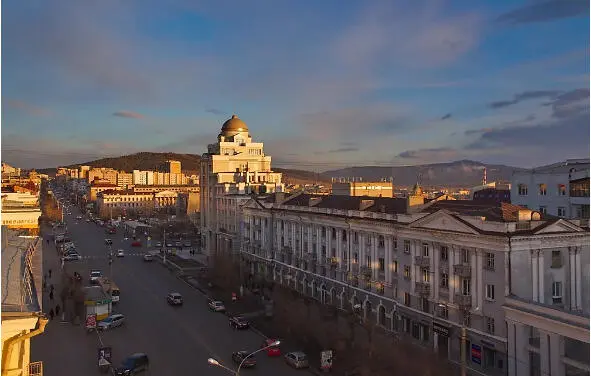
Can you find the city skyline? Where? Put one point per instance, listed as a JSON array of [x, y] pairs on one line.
[[327, 85]]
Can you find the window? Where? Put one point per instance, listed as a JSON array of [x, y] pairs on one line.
[[442, 311], [406, 299], [425, 305], [561, 211], [355, 258], [381, 263], [490, 261], [344, 236], [425, 249], [490, 292], [426, 276], [416, 331], [407, 271], [355, 238], [489, 357], [395, 267], [556, 259], [465, 256], [543, 189], [561, 190], [381, 241], [368, 261], [466, 286], [557, 292], [334, 233], [444, 283], [395, 244], [407, 246], [543, 209], [490, 325], [522, 189], [444, 254]]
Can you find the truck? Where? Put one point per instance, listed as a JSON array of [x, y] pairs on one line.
[[110, 288]]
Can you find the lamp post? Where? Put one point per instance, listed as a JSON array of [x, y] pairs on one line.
[[214, 362]]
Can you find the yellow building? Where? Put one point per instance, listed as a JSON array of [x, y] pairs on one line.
[[21, 211], [359, 188], [22, 316], [173, 167]]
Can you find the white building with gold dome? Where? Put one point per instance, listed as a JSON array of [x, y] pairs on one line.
[[232, 169]]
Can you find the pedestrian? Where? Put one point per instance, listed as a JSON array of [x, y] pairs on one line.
[[51, 314], [44, 286], [49, 273], [57, 310], [51, 288], [51, 296]]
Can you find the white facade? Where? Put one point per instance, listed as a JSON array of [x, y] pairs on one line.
[[548, 189], [427, 274]]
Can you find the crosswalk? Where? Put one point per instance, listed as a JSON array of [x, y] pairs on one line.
[[94, 257]]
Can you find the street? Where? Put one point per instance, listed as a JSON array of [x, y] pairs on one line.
[[178, 340]]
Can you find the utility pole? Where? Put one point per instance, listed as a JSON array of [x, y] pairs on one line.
[[463, 351], [164, 245]]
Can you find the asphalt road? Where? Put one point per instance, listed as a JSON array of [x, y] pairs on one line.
[[178, 340]]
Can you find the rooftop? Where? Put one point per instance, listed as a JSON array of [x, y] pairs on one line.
[[492, 211], [21, 272], [562, 167], [361, 203]]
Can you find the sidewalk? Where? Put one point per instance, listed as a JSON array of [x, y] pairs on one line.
[[186, 254]]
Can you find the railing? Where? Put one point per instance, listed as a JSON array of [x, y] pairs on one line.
[[422, 261], [423, 288], [462, 270], [463, 301]]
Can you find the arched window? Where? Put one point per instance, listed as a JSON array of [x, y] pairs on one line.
[[382, 315]]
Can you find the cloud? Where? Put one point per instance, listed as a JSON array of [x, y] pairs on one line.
[[128, 114], [526, 95], [25, 107], [571, 103], [446, 116], [544, 11], [215, 111], [344, 150], [435, 154]]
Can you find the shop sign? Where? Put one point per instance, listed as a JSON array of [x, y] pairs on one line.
[[440, 329], [476, 354]]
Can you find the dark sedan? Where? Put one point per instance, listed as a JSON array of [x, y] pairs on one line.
[[238, 322], [239, 356]]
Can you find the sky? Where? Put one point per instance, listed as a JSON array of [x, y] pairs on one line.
[[324, 84]]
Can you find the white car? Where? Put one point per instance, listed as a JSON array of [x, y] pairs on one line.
[[112, 321], [95, 275], [120, 253], [217, 306]]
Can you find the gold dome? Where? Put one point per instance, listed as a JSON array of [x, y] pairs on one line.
[[234, 124]]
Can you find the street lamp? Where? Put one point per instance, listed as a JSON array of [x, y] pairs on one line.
[[214, 362]]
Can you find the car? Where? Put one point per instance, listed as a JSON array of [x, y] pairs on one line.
[[271, 350], [78, 217], [178, 244], [112, 230], [136, 244], [296, 359], [112, 321], [241, 357], [72, 257], [148, 257], [87, 220], [217, 306], [95, 275], [168, 244], [187, 244], [238, 322], [108, 241], [174, 298], [158, 245], [120, 253], [135, 363]]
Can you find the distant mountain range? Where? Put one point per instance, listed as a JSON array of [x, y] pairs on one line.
[[462, 173]]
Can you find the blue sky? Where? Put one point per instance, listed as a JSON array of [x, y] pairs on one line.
[[323, 83]]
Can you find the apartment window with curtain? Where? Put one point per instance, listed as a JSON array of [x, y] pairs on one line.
[[444, 280], [407, 246], [426, 276], [465, 256], [425, 249], [543, 189], [444, 253]]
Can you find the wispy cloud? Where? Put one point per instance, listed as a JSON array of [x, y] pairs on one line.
[[215, 111], [550, 10], [526, 95], [446, 116], [434, 154], [25, 107], [128, 114], [343, 150]]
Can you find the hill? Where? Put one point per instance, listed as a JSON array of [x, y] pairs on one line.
[[292, 176], [146, 161], [462, 173]]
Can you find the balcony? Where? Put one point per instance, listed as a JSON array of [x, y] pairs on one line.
[[355, 268], [444, 267], [287, 249], [423, 288], [366, 271], [309, 256], [462, 270], [463, 301], [332, 261], [422, 261]]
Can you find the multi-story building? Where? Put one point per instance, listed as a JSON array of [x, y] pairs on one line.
[[560, 189], [165, 199], [95, 188], [110, 175], [22, 313], [234, 159], [143, 177], [109, 203], [124, 179], [492, 194], [547, 309], [21, 211], [161, 188], [362, 188], [430, 270], [173, 167], [83, 173], [10, 170]]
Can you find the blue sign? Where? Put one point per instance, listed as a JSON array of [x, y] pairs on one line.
[[476, 354]]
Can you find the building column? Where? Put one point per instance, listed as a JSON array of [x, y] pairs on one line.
[[578, 283], [451, 277], [518, 356], [534, 270], [388, 259], [374, 256], [435, 289], [545, 352], [541, 290], [361, 253], [435, 342], [473, 278], [413, 268]]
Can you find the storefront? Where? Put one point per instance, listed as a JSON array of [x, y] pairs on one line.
[[441, 339]]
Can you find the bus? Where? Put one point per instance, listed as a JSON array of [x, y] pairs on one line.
[[110, 288]]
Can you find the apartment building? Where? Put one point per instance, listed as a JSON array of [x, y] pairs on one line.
[[233, 165], [21, 211], [359, 188], [173, 167], [111, 202], [560, 189], [143, 177], [161, 188], [125, 180], [427, 270]]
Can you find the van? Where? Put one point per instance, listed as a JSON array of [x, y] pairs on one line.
[[133, 364]]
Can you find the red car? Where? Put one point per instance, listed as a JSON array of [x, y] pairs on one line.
[[273, 350], [136, 244]]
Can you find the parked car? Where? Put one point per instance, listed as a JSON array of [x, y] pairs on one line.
[[79, 217], [178, 244], [158, 245], [136, 244], [72, 257], [240, 357], [272, 350], [108, 241], [296, 359], [120, 253], [174, 298], [187, 243], [112, 321], [169, 244], [148, 257], [238, 322], [133, 364], [95, 275], [217, 306]]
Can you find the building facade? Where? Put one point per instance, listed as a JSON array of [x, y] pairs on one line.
[[423, 269], [173, 167], [235, 164], [560, 189], [358, 188], [110, 203]]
